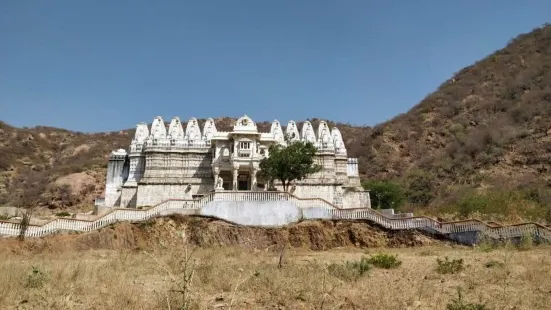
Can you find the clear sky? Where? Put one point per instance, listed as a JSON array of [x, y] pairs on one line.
[[107, 65]]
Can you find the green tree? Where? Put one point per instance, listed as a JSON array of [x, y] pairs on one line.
[[420, 187], [288, 163], [472, 202], [385, 194]]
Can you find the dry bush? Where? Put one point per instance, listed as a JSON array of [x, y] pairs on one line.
[[447, 266], [385, 261]]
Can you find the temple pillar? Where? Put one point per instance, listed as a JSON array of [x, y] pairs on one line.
[[254, 170], [136, 169], [253, 179], [235, 149], [234, 181]]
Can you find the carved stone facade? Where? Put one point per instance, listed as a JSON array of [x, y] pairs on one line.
[[174, 163]]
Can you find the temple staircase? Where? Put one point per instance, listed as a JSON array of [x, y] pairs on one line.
[[466, 232]]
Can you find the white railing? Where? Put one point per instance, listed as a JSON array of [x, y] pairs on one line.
[[176, 143], [312, 208]]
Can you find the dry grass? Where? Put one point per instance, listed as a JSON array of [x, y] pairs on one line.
[[230, 277]]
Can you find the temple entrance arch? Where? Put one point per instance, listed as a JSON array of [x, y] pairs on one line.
[[227, 177], [243, 181]]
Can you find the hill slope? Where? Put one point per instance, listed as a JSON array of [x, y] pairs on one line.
[[51, 161], [488, 125]]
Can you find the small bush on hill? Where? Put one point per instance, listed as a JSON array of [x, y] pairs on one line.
[[350, 271], [502, 205], [459, 304], [473, 203], [36, 279], [494, 264], [386, 261], [385, 194], [419, 187], [447, 266], [526, 242], [362, 266]]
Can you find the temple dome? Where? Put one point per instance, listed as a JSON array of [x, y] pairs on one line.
[[245, 124]]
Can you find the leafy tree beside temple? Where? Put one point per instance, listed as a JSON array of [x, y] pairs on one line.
[[288, 163]]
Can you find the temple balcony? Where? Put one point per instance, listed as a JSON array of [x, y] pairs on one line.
[[244, 153]]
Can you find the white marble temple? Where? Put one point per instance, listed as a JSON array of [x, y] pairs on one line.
[[184, 163]]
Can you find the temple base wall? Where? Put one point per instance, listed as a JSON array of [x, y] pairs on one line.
[[343, 197], [112, 197], [153, 194], [324, 191], [129, 196], [356, 198], [354, 181]]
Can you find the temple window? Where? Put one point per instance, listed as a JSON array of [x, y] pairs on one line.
[[245, 145]]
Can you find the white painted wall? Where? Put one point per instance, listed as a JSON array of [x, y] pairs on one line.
[[316, 213], [254, 213]]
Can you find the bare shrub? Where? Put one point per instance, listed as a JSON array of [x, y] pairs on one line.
[[180, 275], [350, 270], [35, 279], [459, 303]]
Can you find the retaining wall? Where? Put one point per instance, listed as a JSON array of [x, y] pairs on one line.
[[254, 213]]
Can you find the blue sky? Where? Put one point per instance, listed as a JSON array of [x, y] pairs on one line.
[[107, 65]]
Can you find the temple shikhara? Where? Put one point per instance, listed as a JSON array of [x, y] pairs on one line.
[[186, 163]]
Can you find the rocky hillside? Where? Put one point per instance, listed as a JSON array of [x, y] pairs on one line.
[[488, 126], [489, 123], [56, 167]]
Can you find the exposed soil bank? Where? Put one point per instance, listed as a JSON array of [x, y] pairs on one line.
[[205, 232]]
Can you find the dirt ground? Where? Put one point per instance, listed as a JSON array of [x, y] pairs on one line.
[[208, 264], [204, 232]]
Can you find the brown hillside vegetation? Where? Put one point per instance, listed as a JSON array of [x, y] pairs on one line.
[[488, 127], [489, 123], [68, 167]]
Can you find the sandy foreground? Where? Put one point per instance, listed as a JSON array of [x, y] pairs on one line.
[[271, 278]]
